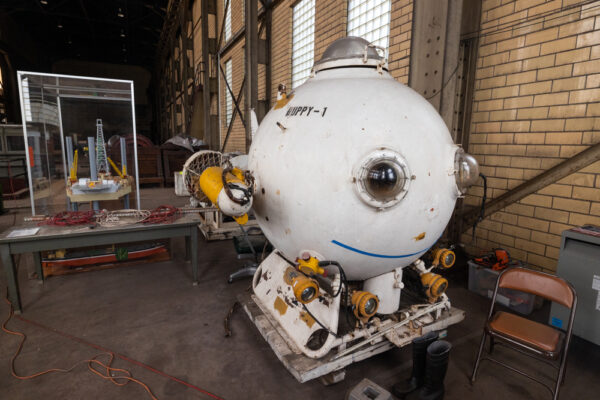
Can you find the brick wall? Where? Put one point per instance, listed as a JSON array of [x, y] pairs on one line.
[[536, 103], [400, 36]]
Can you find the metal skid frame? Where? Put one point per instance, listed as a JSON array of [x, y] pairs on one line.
[[381, 337]]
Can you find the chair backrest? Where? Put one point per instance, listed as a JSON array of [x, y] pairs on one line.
[[545, 285]]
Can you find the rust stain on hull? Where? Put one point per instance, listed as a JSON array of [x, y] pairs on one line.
[[420, 236], [280, 305], [308, 320]]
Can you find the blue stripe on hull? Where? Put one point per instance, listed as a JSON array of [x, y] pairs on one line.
[[345, 246]]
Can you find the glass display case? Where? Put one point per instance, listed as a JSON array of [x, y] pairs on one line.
[[69, 124]]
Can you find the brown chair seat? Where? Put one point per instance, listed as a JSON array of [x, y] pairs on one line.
[[531, 333]]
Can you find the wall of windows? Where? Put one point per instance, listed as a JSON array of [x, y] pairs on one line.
[[303, 41]]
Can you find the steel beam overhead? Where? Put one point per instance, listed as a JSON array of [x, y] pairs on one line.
[[562, 170]]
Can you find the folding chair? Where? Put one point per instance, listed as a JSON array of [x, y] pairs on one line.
[[540, 341]]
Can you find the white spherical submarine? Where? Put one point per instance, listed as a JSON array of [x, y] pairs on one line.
[[352, 177]]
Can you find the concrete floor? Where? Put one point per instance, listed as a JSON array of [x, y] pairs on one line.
[[152, 313]]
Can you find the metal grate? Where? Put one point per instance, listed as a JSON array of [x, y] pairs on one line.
[[227, 19], [303, 41], [228, 98], [370, 20]]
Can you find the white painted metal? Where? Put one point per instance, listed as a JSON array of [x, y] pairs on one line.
[[23, 116], [387, 288], [332, 122], [276, 299], [62, 143], [310, 160], [229, 207], [240, 162]]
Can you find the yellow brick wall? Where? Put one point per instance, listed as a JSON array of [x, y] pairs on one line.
[[536, 103]]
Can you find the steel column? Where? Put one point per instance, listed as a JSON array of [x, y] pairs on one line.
[[251, 64], [209, 135]]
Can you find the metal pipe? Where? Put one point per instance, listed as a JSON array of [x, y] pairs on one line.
[[93, 170], [62, 141], [135, 154], [69, 142], [91, 156], [219, 122], [567, 167], [21, 78]]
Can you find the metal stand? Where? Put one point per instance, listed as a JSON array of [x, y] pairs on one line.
[[93, 171], [250, 268]]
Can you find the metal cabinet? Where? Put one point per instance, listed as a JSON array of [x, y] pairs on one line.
[[579, 263]]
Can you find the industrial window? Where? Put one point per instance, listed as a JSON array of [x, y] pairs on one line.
[[303, 40], [26, 101], [370, 20], [227, 19], [228, 98]]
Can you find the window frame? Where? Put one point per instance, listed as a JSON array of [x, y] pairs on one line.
[[227, 26], [302, 7], [367, 35], [228, 97]]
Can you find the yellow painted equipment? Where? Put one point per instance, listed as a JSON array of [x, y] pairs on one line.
[[305, 289], [73, 172], [444, 258], [435, 285], [364, 305], [211, 184], [310, 266], [112, 163]]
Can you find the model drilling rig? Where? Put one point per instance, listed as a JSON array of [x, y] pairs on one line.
[[101, 158], [101, 185]]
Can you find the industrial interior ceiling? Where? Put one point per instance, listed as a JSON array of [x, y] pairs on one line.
[[112, 31]]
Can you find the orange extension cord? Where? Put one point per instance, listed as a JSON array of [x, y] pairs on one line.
[[94, 361], [106, 374]]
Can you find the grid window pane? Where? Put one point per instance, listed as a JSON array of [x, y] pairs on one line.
[[228, 98], [227, 19], [370, 20], [303, 41]]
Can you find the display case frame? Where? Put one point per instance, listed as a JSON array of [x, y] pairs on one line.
[[43, 97]]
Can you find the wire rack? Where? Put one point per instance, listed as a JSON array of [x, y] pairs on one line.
[[193, 168]]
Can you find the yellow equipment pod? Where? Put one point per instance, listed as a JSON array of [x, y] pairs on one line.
[[435, 285], [305, 289], [310, 266], [444, 258], [211, 184], [365, 305]]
